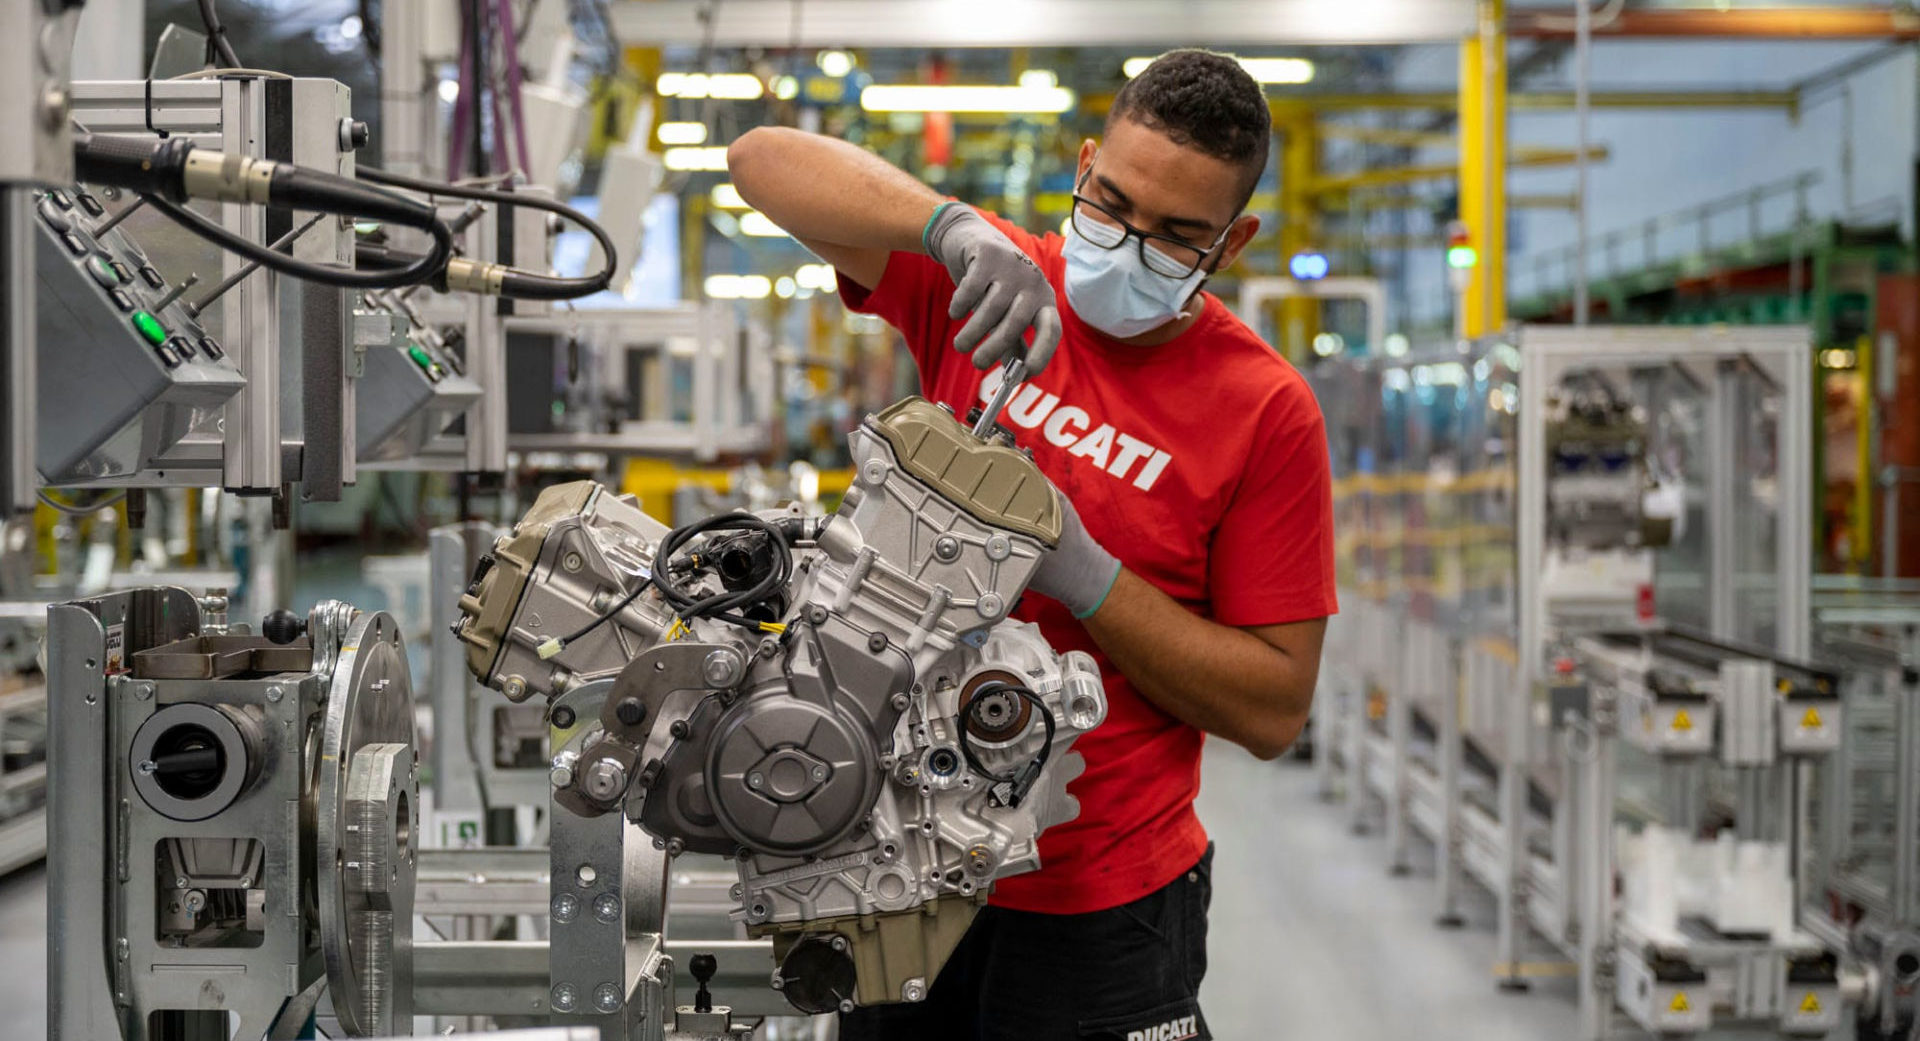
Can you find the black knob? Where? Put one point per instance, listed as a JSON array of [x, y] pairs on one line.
[[357, 133], [630, 712], [282, 626], [703, 966]]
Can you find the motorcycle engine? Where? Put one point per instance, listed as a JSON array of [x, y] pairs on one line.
[[840, 704]]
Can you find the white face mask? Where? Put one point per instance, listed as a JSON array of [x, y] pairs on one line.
[[1113, 291]]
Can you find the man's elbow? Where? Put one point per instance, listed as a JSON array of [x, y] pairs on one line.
[[1279, 726], [1271, 740], [746, 157]]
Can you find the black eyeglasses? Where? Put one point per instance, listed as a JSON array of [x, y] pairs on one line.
[[1162, 254]]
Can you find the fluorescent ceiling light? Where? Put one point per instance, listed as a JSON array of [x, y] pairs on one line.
[[705, 157], [738, 287], [783, 287], [1039, 78], [726, 197], [926, 98], [683, 133], [835, 63], [814, 276], [726, 86], [759, 225], [1279, 70], [1263, 70]]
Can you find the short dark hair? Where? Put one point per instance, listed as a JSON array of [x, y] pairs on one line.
[[1202, 100]]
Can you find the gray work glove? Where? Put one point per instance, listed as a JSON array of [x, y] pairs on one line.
[[1001, 285], [1079, 572]]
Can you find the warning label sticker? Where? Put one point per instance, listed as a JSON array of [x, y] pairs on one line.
[[1810, 1004], [1682, 722], [1811, 721], [1679, 1002]]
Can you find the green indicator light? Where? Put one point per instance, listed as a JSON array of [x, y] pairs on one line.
[[1462, 256], [150, 328], [425, 361]]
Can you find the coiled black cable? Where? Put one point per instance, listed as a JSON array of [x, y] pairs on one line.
[[517, 284], [1019, 782], [724, 605]]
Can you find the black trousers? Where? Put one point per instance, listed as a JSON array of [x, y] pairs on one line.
[[1129, 973]]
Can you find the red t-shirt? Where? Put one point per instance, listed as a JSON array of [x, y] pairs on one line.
[[1202, 465]]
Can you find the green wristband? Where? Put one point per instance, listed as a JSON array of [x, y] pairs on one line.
[[937, 211], [1098, 604]]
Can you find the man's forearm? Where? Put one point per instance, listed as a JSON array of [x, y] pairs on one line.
[[1223, 680], [825, 190]]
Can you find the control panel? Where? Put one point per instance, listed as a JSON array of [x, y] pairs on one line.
[[125, 371], [412, 385]]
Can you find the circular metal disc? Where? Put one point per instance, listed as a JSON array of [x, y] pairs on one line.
[[788, 776], [369, 702]]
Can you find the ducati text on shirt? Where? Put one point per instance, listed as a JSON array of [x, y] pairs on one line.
[[1119, 454]]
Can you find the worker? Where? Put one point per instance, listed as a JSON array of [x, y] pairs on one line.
[[1196, 558]]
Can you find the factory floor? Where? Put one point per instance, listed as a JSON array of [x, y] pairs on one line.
[[1310, 939]]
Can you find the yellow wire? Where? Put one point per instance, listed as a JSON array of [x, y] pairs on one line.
[[680, 628]]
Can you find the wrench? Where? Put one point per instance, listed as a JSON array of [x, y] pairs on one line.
[[1012, 375]]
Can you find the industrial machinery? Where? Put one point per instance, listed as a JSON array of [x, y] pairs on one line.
[[1574, 653], [1862, 891], [232, 820], [842, 707], [412, 385], [838, 710], [684, 382], [152, 374], [289, 420]]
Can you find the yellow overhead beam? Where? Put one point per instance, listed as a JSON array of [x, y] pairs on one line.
[[1783, 100], [1389, 175], [1353, 243], [1385, 135], [1404, 200]]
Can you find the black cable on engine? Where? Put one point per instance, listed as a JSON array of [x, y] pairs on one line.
[[1010, 788], [515, 283], [724, 605]]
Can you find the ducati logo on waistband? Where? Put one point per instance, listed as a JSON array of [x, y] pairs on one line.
[[1184, 1028]]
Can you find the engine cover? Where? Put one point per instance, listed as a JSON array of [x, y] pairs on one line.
[[874, 746]]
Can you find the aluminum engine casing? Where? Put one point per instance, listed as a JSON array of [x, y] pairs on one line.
[[826, 759]]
